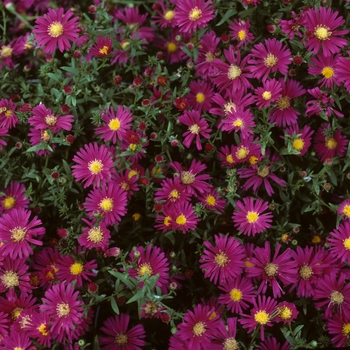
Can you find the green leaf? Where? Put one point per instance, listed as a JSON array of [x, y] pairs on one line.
[[227, 15], [66, 167], [114, 306]]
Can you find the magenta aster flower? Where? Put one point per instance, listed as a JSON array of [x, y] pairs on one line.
[[271, 270], [328, 143], [13, 273], [342, 70], [225, 338], [42, 138], [339, 240], [240, 32], [292, 26], [198, 327], [271, 343], [248, 151], [3, 326], [56, 29], [14, 197], [94, 236], [3, 143], [39, 329], [322, 24], [66, 311], [17, 340], [344, 209], [284, 114], [260, 315], [101, 48], [191, 15], [272, 57], [127, 181], [164, 221], [223, 261], [8, 118], [200, 95], [115, 124], [231, 76], [94, 165], [212, 201], [18, 233], [197, 127], [339, 326], [334, 294], [248, 217], [118, 337], [13, 49], [239, 294], [325, 66], [172, 191], [109, 201], [43, 119], [227, 155], [184, 217], [269, 93], [152, 261], [287, 312], [165, 15], [300, 139]]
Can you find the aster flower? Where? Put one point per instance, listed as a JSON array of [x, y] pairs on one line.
[[248, 217], [66, 311], [94, 165], [339, 240], [322, 24], [248, 151], [271, 343], [191, 15], [328, 143], [118, 337], [232, 76], [172, 191], [260, 315], [284, 114], [292, 26], [39, 329], [240, 32], [184, 217], [339, 326], [56, 29], [272, 57], [223, 261], [14, 48], [152, 261], [109, 201], [197, 127], [239, 294], [226, 155], [269, 93], [18, 232], [200, 95], [164, 221], [94, 236], [8, 118], [17, 340], [300, 139], [115, 124], [286, 312], [127, 181], [3, 326], [271, 270], [325, 65], [212, 201], [198, 327], [165, 15], [342, 70], [44, 119], [14, 198], [3, 133], [334, 294], [42, 138], [190, 178], [101, 48], [225, 338], [344, 209]]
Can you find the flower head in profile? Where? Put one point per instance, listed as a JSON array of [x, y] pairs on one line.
[[322, 25], [323, 103], [292, 27], [339, 240], [39, 329], [56, 28], [117, 335], [223, 261], [94, 165], [249, 219], [191, 15]]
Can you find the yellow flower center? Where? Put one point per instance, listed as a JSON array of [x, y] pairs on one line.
[[285, 313], [145, 268], [171, 47], [106, 204], [136, 216], [132, 173], [166, 221], [187, 177], [337, 297], [228, 106], [195, 14], [124, 44], [238, 123], [241, 35], [266, 95], [195, 129], [209, 57], [305, 272], [17, 348], [242, 152], [18, 234], [346, 243], [174, 194], [8, 113], [95, 166], [230, 344], [229, 159], [199, 329], [16, 312], [346, 328], [298, 144], [63, 309], [95, 235], [236, 294], [45, 136], [9, 202], [234, 72], [253, 160], [322, 33], [121, 339], [331, 143], [10, 279], [76, 268], [346, 210], [104, 50], [271, 269], [50, 120], [169, 15], [261, 317], [181, 219], [200, 97], [271, 60], [221, 259], [114, 124], [283, 103], [125, 186], [6, 51], [43, 330], [210, 200], [263, 172], [328, 72], [252, 216], [55, 29]]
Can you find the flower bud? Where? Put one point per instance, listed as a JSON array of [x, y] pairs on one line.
[[92, 9], [117, 80], [137, 81]]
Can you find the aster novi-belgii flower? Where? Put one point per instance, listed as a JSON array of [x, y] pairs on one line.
[[14, 197], [339, 240]]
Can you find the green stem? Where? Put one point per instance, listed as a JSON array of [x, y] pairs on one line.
[[20, 17]]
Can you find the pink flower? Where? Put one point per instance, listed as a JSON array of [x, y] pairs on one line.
[[184, 217], [201, 93], [339, 326], [240, 32], [213, 201], [327, 67], [94, 236], [342, 69], [8, 118], [339, 240], [172, 191], [300, 139], [269, 93], [101, 48], [14, 198]]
